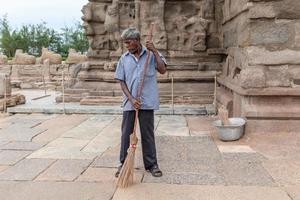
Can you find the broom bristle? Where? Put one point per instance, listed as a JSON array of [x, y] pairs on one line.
[[126, 175]]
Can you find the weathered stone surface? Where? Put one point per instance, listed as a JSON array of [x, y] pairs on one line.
[[64, 170], [52, 57], [19, 133], [16, 190], [284, 172], [165, 124], [11, 157], [58, 126], [23, 58], [27, 146], [246, 173], [293, 191], [235, 149], [278, 77], [105, 175], [253, 77], [3, 59], [193, 192], [269, 32], [27, 169], [74, 57], [261, 56]]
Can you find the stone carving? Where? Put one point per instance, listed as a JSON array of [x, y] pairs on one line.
[[23, 58], [178, 26], [111, 25], [54, 58], [75, 57]]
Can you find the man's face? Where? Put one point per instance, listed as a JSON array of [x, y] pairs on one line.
[[132, 45]]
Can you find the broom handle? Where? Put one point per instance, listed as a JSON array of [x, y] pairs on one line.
[[140, 87]]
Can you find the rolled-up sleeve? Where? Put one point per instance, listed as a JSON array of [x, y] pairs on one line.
[[120, 74], [163, 58]]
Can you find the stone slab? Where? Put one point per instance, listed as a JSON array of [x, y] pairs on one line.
[[109, 136], [64, 170], [235, 149], [193, 192], [246, 173], [58, 126], [68, 143], [284, 172], [3, 167], [90, 128], [27, 169], [25, 146], [11, 157], [17, 132], [185, 149], [62, 153], [209, 177], [110, 158], [172, 126], [294, 192], [105, 175], [16, 190]]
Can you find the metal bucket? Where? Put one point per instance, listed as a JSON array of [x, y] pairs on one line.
[[231, 132]]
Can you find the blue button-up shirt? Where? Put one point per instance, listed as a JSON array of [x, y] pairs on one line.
[[130, 70]]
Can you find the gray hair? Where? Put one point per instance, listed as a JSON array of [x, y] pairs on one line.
[[130, 33]]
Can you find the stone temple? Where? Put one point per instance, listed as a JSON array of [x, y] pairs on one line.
[[251, 46]]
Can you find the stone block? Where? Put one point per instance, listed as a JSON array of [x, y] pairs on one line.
[[253, 77], [3, 59], [5, 85], [269, 32], [262, 56], [278, 76]]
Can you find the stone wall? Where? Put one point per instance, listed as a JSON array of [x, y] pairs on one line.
[[262, 70]]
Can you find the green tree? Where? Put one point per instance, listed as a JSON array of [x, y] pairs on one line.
[[74, 37], [6, 46], [31, 38]]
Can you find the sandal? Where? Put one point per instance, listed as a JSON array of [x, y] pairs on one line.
[[155, 171]]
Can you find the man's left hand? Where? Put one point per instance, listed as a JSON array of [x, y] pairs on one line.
[[150, 46]]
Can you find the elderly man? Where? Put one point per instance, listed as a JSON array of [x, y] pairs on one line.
[[129, 73]]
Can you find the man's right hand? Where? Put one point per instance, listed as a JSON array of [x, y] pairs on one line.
[[136, 103]]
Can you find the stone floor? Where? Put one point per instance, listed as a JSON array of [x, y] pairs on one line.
[[55, 157]]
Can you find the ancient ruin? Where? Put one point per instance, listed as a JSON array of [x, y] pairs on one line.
[[186, 32], [253, 44]]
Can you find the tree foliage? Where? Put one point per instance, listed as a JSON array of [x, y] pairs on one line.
[[31, 38]]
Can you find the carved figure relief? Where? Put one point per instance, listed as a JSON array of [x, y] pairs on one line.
[[178, 26]]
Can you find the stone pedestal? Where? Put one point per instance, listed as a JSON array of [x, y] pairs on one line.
[[260, 79]]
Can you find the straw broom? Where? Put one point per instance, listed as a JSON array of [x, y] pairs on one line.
[[126, 174]]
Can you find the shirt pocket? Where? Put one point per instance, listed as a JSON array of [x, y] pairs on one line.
[[150, 71]]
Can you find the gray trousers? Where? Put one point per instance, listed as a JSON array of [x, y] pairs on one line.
[[146, 122]]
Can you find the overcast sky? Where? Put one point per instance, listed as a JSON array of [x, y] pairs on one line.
[[56, 13]]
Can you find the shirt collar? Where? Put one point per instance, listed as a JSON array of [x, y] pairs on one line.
[[144, 49]]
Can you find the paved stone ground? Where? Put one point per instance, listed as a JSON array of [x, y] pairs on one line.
[[56, 157]]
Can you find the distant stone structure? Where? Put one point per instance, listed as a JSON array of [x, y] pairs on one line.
[[75, 57], [53, 58], [23, 58], [3, 59]]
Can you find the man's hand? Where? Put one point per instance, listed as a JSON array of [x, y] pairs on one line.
[[136, 104], [150, 46]]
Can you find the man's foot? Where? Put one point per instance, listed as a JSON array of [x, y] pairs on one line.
[[118, 171], [155, 171]]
